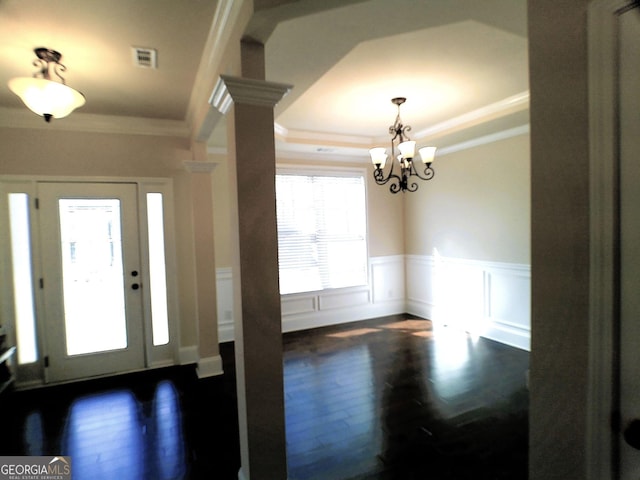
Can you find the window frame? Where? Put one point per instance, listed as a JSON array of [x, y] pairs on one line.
[[333, 171]]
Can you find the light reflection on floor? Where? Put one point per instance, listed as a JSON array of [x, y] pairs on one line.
[[104, 437], [34, 434], [108, 436], [169, 443]]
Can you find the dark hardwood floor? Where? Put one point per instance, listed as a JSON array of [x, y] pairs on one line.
[[383, 399]]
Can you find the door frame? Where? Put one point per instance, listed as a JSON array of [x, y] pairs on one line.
[[602, 443], [63, 366], [33, 375]]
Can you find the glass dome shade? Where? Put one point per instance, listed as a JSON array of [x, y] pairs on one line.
[[45, 97]]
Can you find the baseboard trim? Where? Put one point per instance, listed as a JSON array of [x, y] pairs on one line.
[[188, 355], [225, 332], [292, 323], [209, 367], [508, 334], [241, 475]]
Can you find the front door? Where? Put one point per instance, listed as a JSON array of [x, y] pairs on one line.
[[91, 283], [629, 106]]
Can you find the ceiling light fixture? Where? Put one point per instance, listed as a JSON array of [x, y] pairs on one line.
[[401, 182], [41, 94]]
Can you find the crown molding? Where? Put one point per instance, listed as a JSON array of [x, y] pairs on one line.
[[507, 106], [220, 98], [307, 137], [489, 112], [484, 140], [225, 17]]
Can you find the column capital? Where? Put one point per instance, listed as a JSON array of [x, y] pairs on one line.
[[246, 91]]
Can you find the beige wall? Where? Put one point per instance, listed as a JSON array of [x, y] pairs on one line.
[[51, 152], [221, 212], [386, 216], [59, 152], [476, 207]]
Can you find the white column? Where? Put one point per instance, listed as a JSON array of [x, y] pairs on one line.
[[209, 360], [258, 327]]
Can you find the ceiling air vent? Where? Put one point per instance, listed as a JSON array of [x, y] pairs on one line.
[[145, 57]]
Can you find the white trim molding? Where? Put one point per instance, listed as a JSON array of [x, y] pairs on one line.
[[383, 296], [188, 355], [209, 367], [224, 294], [249, 91], [489, 299]]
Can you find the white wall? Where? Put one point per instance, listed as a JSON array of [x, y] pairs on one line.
[[489, 299]]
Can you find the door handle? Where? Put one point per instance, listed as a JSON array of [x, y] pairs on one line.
[[632, 434]]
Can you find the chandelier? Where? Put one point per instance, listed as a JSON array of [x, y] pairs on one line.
[[42, 95], [401, 176]]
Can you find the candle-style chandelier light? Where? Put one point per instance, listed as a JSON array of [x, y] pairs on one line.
[[401, 176], [42, 95]]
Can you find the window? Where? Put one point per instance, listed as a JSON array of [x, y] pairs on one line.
[[321, 231], [22, 278], [157, 269]]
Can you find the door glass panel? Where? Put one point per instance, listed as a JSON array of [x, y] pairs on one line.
[[157, 270], [93, 280], [22, 277]]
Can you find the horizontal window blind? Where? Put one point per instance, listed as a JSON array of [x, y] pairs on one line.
[[321, 231]]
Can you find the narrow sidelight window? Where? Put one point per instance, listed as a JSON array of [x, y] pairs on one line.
[[25, 318], [157, 269]]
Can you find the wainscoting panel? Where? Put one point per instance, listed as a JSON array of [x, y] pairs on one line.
[[489, 299], [420, 271], [342, 299], [508, 305], [300, 311], [224, 294], [299, 304], [387, 279]]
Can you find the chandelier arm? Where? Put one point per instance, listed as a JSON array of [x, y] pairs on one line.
[[428, 173], [411, 187], [396, 187], [396, 182], [381, 179]]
